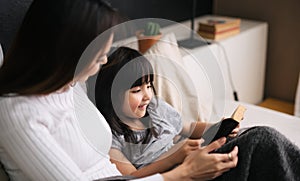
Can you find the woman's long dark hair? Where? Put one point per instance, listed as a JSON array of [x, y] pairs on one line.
[[49, 44], [126, 68]]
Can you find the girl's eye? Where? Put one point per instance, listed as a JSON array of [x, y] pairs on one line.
[[149, 85], [135, 90]]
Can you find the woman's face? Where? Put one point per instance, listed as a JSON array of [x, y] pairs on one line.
[[94, 66], [136, 100]]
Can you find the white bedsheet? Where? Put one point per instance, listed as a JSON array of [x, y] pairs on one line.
[[258, 116]]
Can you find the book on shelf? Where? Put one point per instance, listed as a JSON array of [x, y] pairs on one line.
[[218, 23], [218, 27], [219, 35], [224, 127]]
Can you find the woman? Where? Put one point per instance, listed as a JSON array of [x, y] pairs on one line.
[[40, 134]]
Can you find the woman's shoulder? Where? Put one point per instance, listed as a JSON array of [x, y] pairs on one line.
[[14, 101], [39, 102], [17, 112], [18, 106]]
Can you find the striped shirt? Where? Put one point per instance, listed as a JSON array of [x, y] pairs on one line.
[[42, 139]]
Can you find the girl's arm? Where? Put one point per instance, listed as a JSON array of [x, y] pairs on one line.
[[165, 162], [194, 129], [122, 163], [126, 168]]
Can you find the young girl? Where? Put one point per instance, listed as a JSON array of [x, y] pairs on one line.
[[144, 127]]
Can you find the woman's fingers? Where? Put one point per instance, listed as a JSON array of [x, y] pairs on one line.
[[218, 164], [234, 154], [195, 142], [231, 156], [204, 165], [215, 145]]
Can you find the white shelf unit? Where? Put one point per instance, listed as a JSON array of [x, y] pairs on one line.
[[246, 54]]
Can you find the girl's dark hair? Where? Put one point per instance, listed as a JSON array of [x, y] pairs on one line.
[[49, 44], [126, 68]]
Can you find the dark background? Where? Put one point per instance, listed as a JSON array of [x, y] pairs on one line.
[[13, 11], [176, 10]]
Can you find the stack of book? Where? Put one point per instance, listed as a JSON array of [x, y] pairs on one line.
[[218, 27]]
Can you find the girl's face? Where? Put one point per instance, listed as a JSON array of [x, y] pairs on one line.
[[136, 101], [94, 66]]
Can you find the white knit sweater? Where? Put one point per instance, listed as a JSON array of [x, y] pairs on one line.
[[41, 138]]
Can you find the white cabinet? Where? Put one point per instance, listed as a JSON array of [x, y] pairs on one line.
[[246, 54]]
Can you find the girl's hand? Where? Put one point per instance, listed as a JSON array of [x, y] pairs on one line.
[[235, 131], [201, 164], [182, 149]]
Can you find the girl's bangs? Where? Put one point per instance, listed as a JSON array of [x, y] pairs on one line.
[[142, 72]]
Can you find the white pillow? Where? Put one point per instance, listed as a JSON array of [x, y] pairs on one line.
[[180, 82]]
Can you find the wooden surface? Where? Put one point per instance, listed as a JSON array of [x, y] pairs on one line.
[[278, 105]]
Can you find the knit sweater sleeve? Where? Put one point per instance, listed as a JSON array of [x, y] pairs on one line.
[[26, 137]]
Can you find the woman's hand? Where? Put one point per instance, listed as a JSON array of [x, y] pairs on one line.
[[185, 147], [204, 165]]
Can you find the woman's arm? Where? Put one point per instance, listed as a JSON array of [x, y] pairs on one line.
[[201, 164], [204, 165]]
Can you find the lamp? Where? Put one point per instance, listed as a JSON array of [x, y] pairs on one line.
[[192, 42]]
